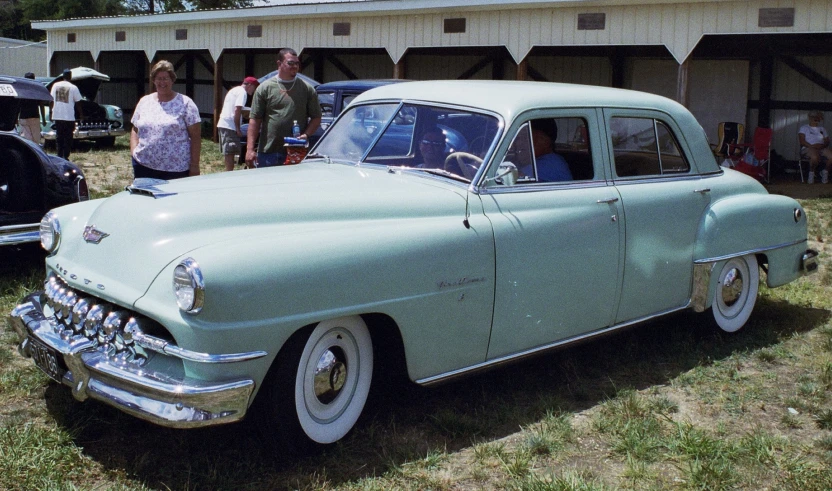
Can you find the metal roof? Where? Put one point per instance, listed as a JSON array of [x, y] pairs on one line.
[[318, 8]]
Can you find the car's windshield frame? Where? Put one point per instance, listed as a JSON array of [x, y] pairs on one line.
[[397, 106]]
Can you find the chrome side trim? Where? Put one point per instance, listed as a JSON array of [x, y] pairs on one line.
[[19, 234], [161, 346], [750, 251], [444, 377]]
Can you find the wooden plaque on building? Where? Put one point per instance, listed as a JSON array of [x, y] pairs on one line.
[[255, 31], [592, 22], [181, 34], [121, 36], [341, 29], [70, 37], [455, 26], [776, 17]]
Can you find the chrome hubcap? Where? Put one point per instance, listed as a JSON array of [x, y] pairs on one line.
[[330, 374], [731, 287]]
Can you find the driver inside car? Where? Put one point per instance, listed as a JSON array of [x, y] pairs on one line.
[[432, 150]]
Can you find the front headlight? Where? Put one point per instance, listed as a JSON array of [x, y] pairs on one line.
[[50, 232], [118, 113], [188, 286]]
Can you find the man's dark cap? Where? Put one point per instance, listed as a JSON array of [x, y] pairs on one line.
[[29, 75], [67, 72]]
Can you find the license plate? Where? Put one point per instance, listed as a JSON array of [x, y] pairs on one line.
[[96, 133], [47, 359], [7, 90]]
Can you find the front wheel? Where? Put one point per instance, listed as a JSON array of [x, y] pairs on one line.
[[320, 384], [736, 292]]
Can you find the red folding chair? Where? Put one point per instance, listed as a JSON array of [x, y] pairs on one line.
[[760, 148]]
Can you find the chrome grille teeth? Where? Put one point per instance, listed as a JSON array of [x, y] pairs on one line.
[[110, 327], [79, 314], [68, 302], [94, 320], [113, 331]]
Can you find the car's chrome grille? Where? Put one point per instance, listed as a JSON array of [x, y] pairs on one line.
[[110, 328]]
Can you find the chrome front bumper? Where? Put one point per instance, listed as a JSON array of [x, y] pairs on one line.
[[19, 234], [86, 134], [177, 402]]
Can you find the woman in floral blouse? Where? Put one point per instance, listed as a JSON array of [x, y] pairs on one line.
[[165, 141]]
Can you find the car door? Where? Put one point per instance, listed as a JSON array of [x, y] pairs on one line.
[[557, 244], [664, 199]]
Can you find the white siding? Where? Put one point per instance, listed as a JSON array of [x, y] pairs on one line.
[[677, 25], [19, 57]]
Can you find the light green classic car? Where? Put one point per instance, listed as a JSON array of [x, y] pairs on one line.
[[448, 227]]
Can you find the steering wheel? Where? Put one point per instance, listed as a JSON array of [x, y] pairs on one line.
[[463, 164]]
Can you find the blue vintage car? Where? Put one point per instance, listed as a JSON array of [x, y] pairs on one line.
[[184, 302]]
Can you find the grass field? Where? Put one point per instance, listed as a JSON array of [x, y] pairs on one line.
[[674, 404]]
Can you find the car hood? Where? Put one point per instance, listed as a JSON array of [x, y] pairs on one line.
[[86, 79], [141, 234]]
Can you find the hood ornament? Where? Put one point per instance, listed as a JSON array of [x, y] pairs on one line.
[[93, 235]]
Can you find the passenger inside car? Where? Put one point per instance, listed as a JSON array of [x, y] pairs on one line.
[[551, 167]]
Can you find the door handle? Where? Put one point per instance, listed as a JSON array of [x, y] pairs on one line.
[[702, 191], [607, 200]]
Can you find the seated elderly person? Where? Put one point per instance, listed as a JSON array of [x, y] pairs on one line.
[[551, 167], [814, 144]]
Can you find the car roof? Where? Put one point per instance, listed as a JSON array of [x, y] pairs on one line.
[[359, 84], [27, 88], [509, 98]]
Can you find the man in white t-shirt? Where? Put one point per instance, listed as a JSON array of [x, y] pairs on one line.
[[228, 126], [62, 112], [814, 144]]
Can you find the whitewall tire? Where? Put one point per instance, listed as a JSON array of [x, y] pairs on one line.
[[736, 292], [333, 378]]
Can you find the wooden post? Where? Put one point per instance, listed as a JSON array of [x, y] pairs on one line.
[[218, 99], [399, 69], [682, 85], [523, 69]]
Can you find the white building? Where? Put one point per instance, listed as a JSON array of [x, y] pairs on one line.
[[18, 57], [759, 62]]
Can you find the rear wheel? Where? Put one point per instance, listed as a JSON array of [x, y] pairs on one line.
[[736, 292], [318, 388]]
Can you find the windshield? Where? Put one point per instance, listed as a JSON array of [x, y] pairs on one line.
[[412, 135]]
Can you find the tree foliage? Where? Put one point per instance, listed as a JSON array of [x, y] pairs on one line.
[[16, 16]]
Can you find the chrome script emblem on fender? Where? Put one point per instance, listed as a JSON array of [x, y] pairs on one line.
[[93, 235]]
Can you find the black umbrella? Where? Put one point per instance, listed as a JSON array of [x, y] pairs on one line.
[[23, 88]]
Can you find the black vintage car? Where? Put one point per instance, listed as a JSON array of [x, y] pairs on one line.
[[31, 182]]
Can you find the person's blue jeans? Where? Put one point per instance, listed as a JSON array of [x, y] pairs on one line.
[[270, 159]]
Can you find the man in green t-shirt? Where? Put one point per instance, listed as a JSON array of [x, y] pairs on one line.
[[276, 105]]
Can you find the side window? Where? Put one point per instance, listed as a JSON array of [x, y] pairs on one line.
[[327, 102], [559, 151], [645, 147]]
